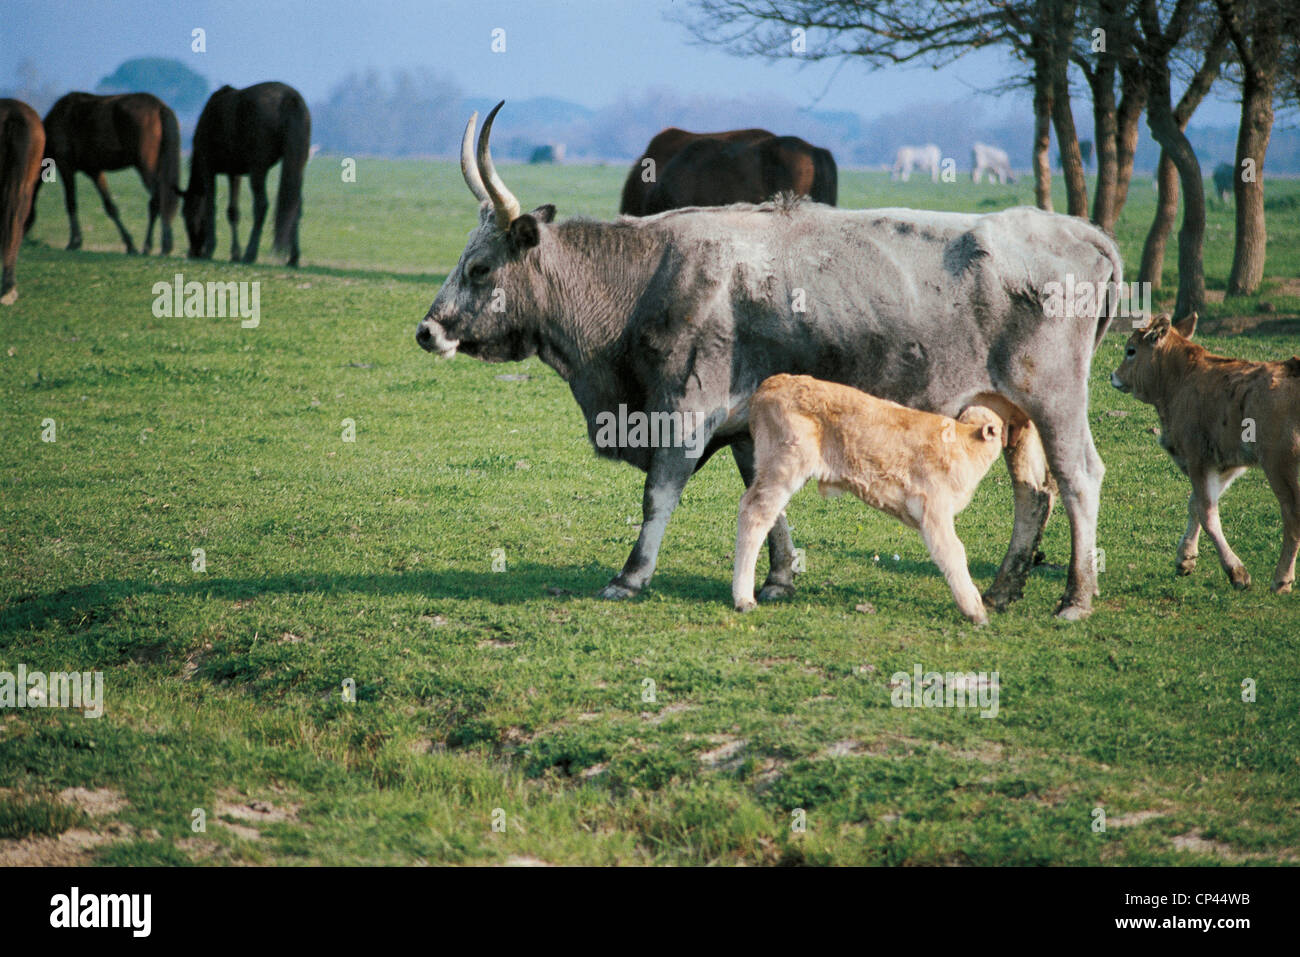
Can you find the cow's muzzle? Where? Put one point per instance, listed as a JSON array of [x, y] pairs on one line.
[[1119, 383], [433, 338]]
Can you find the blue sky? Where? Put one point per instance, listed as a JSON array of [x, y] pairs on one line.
[[587, 51]]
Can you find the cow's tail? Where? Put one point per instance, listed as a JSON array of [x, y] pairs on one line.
[[1107, 309], [293, 166]]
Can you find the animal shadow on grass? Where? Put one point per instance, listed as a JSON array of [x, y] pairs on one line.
[[522, 582]]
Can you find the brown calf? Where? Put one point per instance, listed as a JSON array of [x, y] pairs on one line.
[[919, 467], [1219, 416]]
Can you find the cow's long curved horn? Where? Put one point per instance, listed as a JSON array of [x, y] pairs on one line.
[[468, 168], [507, 207]]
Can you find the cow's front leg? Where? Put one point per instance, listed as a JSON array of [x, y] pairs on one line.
[[1079, 471], [780, 546], [1033, 487], [669, 470]]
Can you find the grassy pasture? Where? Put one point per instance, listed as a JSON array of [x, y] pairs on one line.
[[516, 690]]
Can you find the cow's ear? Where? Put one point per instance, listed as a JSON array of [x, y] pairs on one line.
[[524, 233], [544, 214], [1186, 326]]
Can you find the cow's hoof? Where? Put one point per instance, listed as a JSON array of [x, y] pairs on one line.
[[1240, 579], [775, 591], [1282, 588], [616, 592], [1000, 599], [746, 604], [1185, 567], [73, 245], [1073, 612], [9, 298]]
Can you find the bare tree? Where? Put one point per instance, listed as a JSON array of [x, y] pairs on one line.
[[936, 32], [1105, 54], [1155, 44], [1153, 250], [1258, 29]]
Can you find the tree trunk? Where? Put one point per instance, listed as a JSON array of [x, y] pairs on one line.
[[1191, 235], [1067, 137], [1132, 104], [1105, 134], [1153, 250], [1042, 136], [1252, 144]]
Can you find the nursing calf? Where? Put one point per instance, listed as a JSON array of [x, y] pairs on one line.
[[1218, 417], [919, 467]]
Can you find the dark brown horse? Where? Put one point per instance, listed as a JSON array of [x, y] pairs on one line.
[[245, 133], [96, 134], [22, 141], [666, 144], [718, 172]]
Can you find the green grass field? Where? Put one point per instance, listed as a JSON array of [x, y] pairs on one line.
[[514, 697]]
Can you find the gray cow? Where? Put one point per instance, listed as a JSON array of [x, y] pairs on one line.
[[689, 311]]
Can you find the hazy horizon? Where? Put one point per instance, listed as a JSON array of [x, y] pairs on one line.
[[583, 51]]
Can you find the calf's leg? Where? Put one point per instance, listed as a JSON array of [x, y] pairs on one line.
[[1282, 478], [950, 555], [1032, 485], [1189, 547], [1208, 488], [780, 546], [760, 508]]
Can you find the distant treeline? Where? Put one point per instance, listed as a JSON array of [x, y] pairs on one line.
[[422, 113]]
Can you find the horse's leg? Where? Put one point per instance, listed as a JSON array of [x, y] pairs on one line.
[[155, 199], [232, 216], [69, 177], [293, 245], [257, 181], [101, 184]]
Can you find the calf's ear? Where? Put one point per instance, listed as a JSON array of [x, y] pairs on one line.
[[1155, 329], [1186, 326]]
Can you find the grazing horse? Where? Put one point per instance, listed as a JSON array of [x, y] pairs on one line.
[[926, 158], [96, 134], [991, 159], [22, 141], [244, 133]]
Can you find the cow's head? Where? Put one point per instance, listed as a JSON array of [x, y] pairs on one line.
[[472, 312], [1135, 374]]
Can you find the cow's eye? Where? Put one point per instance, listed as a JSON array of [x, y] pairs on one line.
[[478, 271], [1132, 351]]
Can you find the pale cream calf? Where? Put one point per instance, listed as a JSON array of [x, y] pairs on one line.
[[919, 467]]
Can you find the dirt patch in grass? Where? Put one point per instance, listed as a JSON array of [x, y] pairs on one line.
[[72, 846], [250, 814]]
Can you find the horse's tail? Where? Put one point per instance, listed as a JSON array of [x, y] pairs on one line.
[[297, 147], [16, 142], [169, 165]]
